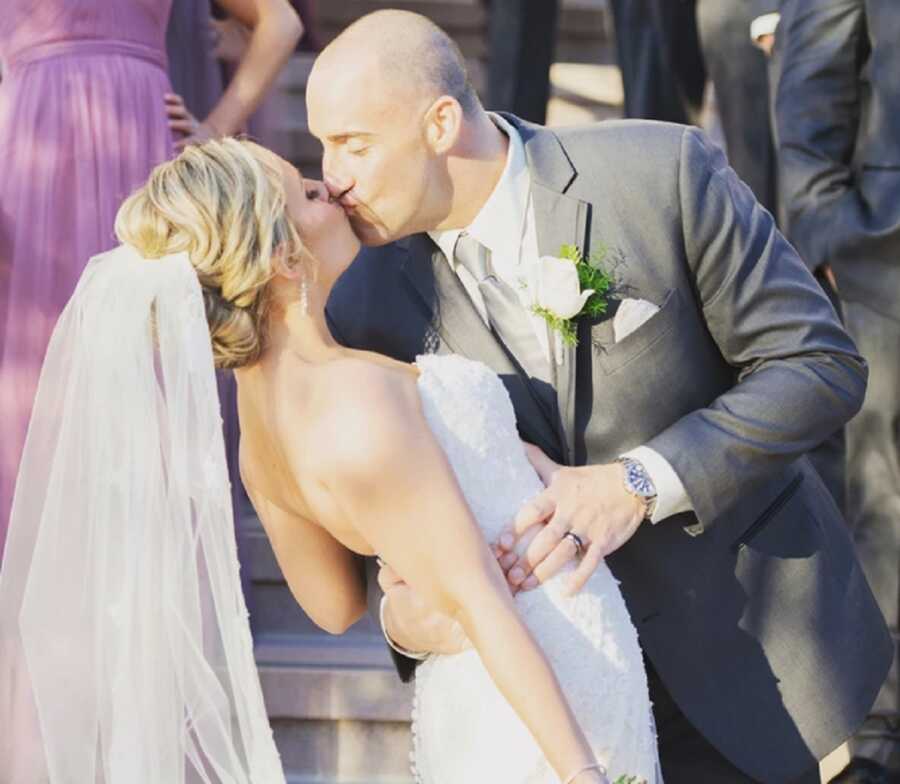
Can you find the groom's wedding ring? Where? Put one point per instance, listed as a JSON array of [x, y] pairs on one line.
[[576, 540]]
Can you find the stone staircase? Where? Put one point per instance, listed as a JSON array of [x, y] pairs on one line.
[[339, 712]]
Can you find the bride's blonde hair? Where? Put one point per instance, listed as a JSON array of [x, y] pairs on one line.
[[224, 203]]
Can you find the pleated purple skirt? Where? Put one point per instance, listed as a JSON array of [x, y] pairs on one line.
[[82, 123]]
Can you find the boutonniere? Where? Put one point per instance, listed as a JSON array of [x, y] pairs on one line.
[[562, 289]]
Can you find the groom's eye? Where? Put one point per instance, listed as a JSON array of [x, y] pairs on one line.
[[358, 150]]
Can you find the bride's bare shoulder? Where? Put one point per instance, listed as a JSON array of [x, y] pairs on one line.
[[362, 405]]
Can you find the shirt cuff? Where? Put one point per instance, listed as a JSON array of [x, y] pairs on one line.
[[671, 497], [398, 648], [764, 25]]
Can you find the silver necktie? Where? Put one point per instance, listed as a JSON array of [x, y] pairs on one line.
[[507, 315]]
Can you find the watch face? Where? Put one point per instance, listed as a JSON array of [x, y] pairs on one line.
[[640, 482]]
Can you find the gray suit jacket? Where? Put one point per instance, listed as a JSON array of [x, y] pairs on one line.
[[753, 610], [837, 110]]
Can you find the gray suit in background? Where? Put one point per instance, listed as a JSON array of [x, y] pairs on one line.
[[739, 72], [837, 109], [753, 611]]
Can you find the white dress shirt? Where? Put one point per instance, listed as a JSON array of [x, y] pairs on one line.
[[505, 225]]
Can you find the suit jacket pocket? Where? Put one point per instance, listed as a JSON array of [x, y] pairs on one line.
[[614, 357], [769, 513]]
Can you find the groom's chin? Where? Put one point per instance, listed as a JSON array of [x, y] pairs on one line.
[[371, 236], [376, 242]]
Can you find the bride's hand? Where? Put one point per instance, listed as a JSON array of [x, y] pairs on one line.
[[415, 626], [506, 549]]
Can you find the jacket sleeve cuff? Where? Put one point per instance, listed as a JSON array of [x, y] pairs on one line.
[[764, 25]]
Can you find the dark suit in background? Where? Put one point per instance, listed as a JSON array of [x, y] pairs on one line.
[[837, 110], [659, 56], [522, 45]]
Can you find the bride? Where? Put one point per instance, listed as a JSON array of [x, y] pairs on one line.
[[123, 633]]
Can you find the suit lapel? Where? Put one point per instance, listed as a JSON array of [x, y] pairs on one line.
[[451, 311], [560, 220]]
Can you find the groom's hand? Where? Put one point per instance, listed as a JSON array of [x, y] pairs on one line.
[[412, 624], [590, 502]]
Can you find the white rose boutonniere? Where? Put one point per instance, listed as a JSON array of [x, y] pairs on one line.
[[563, 288]]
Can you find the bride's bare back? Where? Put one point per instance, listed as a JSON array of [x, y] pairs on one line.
[[293, 417]]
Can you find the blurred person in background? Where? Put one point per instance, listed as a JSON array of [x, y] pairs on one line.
[[273, 32], [522, 43], [739, 74], [837, 114], [82, 123], [658, 50], [668, 48]]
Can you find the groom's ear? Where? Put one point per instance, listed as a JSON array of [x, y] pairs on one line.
[[443, 123]]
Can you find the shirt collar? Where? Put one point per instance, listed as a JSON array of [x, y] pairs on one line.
[[503, 214]]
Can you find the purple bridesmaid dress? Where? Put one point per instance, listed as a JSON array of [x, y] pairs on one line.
[[82, 123]]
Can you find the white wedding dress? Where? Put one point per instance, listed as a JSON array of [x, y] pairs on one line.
[[464, 732]]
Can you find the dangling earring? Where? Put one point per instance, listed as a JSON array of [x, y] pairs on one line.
[[304, 294]]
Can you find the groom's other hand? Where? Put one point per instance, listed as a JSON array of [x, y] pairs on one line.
[[590, 502], [412, 624]]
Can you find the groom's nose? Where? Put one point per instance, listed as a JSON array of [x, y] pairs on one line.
[[336, 188]]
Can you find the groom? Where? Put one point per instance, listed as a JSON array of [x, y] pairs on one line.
[[764, 646]]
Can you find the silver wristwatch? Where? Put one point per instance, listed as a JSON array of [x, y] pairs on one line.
[[639, 484]]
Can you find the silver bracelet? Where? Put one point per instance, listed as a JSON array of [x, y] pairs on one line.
[[420, 656], [577, 773]]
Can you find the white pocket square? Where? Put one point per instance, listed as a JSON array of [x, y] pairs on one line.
[[632, 313]]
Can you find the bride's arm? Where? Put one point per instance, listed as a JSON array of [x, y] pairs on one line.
[[390, 478], [325, 578]]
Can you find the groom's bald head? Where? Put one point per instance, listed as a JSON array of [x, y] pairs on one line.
[[393, 53], [391, 102]]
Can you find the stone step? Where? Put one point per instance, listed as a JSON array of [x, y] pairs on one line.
[[344, 720], [315, 779], [358, 652], [344, 751]]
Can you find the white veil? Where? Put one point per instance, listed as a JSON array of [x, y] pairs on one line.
[[125, 645]]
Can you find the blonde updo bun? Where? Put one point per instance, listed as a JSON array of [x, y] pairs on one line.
[[223, 202]]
